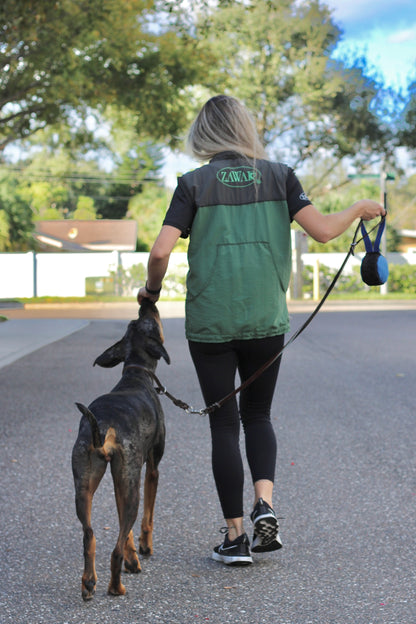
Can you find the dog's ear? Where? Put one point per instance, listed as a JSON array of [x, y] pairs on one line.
[[113, 355], [156, 350]]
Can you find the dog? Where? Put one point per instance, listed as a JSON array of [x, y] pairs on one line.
[[124, 428]]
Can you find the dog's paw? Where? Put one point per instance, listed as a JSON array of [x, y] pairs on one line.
[[116, 590], [88, 589], [132, 566], [145, 550]]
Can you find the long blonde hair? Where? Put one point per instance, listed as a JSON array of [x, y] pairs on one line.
[[224, 124]]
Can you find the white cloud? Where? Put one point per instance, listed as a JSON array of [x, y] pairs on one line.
[[403, 36], [364, 15], [383, 31]]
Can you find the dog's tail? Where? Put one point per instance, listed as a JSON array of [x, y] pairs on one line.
[[107, 449], [96, 436]]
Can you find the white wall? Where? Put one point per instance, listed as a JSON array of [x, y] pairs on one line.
[[63, 274]]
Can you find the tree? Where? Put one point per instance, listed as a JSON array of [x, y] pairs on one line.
[[402, 203], [276, 57], [15, 217], [55, 172], [4, 231], [407, 122], [148, 209], [85, 208], [61, 59], [135, 159], [46, 199]]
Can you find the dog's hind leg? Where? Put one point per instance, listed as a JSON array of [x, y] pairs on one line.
[[86, 483], [150, 489], [131, 560], [127, 491]]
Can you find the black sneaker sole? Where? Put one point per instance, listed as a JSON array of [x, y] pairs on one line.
[[266, 535], [276, 544]]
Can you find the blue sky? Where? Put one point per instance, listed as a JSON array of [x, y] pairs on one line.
[[384, 30]]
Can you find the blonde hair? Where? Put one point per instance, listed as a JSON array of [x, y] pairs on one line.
[[224, 124]]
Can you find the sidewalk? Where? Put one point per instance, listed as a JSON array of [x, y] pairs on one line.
[[94, 310], [23, 336]]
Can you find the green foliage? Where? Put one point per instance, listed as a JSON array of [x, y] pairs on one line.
[[57, 181], [148, 208], [102, 81], [61, 57], [4, 231], [127, 280], [407, 135], [85, 208], [402, 202], [174, 283], [136, 161], [275, 56], [15, 217], [347, 283], [46, 199], [401, 280], [103, 286]]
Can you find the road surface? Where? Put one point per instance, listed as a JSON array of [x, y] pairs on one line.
[[345, 420]]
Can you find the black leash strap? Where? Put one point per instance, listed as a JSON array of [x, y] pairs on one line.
[[160, 389]]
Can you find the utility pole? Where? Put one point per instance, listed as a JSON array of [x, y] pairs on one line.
[[383, 201]]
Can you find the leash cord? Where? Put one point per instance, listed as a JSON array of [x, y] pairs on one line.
[[160, 389]]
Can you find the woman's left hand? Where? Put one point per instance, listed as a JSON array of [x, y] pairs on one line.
[[143, 294]]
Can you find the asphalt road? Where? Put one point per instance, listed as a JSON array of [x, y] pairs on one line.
[[344, 415]]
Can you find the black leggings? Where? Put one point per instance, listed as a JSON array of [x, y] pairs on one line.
[[216, 365]]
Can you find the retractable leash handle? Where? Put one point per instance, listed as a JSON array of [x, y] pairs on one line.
[[374, 267]]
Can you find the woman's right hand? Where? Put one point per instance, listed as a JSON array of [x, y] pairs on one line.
[[369, 209]]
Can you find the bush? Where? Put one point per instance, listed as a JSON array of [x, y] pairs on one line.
[[402, 279], [128, 280], [348, 282]]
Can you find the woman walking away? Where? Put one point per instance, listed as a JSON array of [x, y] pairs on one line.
[[237, 210]]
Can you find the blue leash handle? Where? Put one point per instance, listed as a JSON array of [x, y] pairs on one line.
[[367, 241]]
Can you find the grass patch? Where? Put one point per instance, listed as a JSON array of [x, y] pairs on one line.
[[86, 299], [90, 299], [370, 295], [362, 295]]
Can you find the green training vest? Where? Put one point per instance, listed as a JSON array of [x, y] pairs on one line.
[[239, 252]]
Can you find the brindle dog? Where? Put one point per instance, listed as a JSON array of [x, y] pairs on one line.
[[126, 429]]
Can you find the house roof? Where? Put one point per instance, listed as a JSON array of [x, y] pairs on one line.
[[80, 235]]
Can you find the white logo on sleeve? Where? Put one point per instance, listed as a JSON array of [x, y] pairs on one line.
[[304, 197]]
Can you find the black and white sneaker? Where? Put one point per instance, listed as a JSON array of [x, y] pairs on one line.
[[266, 528], [235, 553]]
